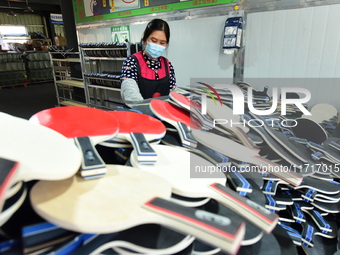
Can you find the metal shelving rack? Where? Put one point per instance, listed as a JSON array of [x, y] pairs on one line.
[[65, 83], [103, 92]]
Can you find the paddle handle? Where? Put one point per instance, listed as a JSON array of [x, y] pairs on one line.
[[240, 183], [309, 195], [321, 222], [293, 234], [218, 158], [92, 165], [270, 187], [253, 212], [8, 170], [145, 153], [307, 235], [186, 137], [216, 230]]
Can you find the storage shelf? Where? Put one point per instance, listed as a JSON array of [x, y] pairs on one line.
[[103, 96], [103, 87], [70, 89], [75, 60], [72, 103], [73, 83], [103, 48], [103, 58]]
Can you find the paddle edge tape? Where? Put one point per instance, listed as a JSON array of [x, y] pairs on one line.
[[8, 170], [264, 219], [180, 99], [281, 172], [230, 233]]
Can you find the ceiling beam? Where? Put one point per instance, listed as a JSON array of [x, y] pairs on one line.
[[38, 6]]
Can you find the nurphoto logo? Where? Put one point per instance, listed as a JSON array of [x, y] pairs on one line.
[[238, 100]]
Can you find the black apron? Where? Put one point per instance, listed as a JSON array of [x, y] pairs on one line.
[[149, 87]]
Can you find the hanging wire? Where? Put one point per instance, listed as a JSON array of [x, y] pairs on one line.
[[11, 12]]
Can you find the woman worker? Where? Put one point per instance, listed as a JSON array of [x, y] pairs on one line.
[[147, 74]]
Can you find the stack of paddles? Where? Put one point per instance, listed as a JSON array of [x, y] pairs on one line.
[[297, 162], [90, 207], [189, 184]]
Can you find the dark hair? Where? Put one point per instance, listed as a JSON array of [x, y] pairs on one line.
[[156, 24]]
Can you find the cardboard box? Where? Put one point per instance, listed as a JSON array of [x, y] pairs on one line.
[[60, 41]]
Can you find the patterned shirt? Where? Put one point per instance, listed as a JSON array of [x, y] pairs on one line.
[[129, 69]]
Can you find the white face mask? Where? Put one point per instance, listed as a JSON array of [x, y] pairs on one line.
[[154, 50]]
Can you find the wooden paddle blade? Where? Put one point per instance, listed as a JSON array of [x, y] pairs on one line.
[[214, 229]]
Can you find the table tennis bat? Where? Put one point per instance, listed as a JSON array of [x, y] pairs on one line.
[[294, 235], [145, 239], [323, 111], [87, 127], [254, 177], [71, 203], [8, 169], [325, 187], [42, 153], [172, 139], [325, 226], [326, 207], [225, 118], [13, 189], [239, 183], [10, 246], [193, 107], [310, 130], [67, 246], [179, 174], [332, 142], [296, 149], [12, 204], [278, 241], [252, 234], [242, 153], [139, 129], [177, 117], [297, 165], [327, 198], [311, 229], [323, 246], [330, 154]]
